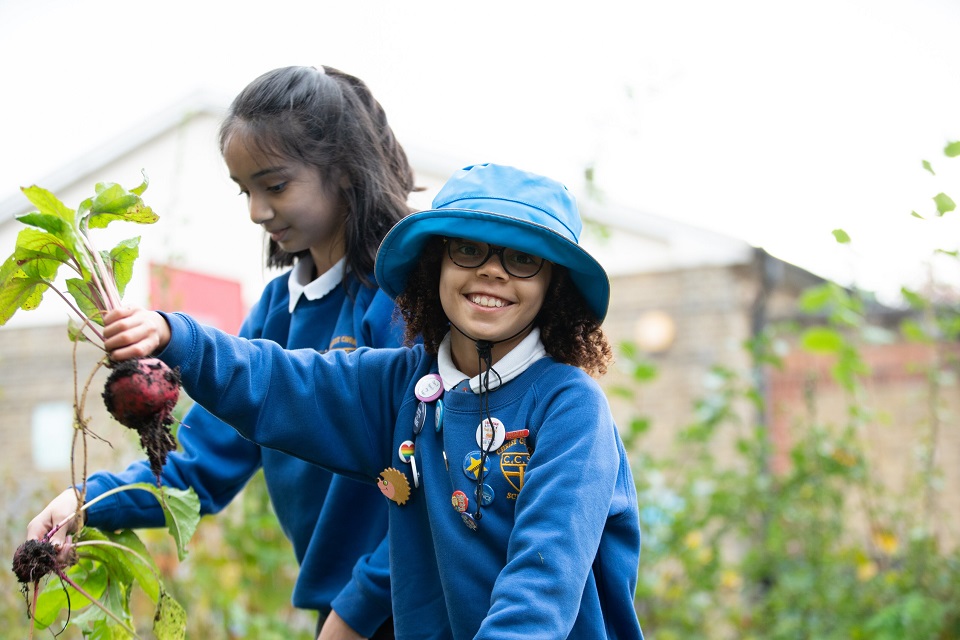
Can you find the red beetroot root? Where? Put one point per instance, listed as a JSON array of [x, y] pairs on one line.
[[141, 395], [36, 558]]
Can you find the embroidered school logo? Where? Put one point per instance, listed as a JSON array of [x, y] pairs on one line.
[[347, 343], [513, 465]]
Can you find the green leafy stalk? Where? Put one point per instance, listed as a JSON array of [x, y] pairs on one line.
[[181, 509], [110, 563], [63, 576], [58, 236]]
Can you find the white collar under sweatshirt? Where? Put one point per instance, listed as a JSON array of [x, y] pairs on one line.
[[300, 284], [509, 367]]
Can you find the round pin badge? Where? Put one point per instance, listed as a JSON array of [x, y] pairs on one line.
[[429, 387], [419, 418], [406, 450], [439, 415], [460, 501], [469, 521], [490, 434], [471, 465], [487, 496]]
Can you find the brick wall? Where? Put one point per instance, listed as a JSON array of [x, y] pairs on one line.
[[36, 366], [906, 415], [710, 309]]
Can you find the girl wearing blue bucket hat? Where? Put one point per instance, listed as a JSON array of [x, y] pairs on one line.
[[513, 510]]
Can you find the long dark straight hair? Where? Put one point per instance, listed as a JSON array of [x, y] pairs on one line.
[[329, 119]]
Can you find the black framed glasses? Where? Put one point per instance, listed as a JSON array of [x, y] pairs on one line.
[[471, 254]]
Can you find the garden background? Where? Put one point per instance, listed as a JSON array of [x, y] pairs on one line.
[[786, 333]]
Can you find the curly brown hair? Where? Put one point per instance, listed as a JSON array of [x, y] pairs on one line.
[[570, 332]]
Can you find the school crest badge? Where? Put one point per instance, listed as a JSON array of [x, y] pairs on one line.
[[513, 466]]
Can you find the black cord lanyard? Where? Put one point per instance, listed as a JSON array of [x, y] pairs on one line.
[[485, 363]]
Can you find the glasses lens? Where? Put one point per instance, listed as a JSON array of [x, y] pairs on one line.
[[470, 254], [520, 264]]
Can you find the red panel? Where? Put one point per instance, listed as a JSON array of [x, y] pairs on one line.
[[210, 299]]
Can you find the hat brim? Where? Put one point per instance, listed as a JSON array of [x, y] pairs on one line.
[[401, 248]]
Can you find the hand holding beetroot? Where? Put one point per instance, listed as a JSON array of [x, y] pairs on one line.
[[131, 332]]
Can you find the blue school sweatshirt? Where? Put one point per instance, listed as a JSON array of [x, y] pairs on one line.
[[336, 525], [556, 549]]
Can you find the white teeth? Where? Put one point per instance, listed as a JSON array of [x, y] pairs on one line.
[[485, 301]]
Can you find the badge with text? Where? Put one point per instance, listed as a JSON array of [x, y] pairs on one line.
[[469, 521], [419, 418], [460, 501], [486, 495], [471, 465], [429, 387], [490, 434]]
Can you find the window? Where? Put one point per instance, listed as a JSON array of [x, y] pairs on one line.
[[51, 435]]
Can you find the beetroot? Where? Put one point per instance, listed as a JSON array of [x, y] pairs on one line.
[[141, 394], [34, 559]]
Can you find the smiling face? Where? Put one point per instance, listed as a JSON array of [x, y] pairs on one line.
[[487, 303], [289, 199]]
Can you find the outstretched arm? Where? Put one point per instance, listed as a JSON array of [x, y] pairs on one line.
[[268, 393]]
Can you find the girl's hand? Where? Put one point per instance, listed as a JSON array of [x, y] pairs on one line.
[[132, 332], [59, 509], [334, 628]]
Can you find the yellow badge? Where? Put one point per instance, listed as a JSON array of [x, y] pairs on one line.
[[394, 485]]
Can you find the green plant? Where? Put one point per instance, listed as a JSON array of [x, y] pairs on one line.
[[96, 573], [240, 574], [58, 236]]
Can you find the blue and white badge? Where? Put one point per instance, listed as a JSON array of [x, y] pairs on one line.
[[429, 387], [439, 415], [469, 521], [486, 497]]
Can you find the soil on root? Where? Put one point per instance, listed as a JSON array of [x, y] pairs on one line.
[[157, 440], [34, 559]]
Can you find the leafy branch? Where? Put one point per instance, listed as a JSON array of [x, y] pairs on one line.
[[60, 236]]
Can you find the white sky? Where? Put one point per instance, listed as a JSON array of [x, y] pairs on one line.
[[774, 122]]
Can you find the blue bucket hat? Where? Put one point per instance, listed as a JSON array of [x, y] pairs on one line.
[[502, 206]]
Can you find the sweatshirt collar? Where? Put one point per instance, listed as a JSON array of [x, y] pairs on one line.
[[300, 285], [528, 351]]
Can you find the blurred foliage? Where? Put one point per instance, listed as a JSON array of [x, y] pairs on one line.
[[239, 576], [820, 546]]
